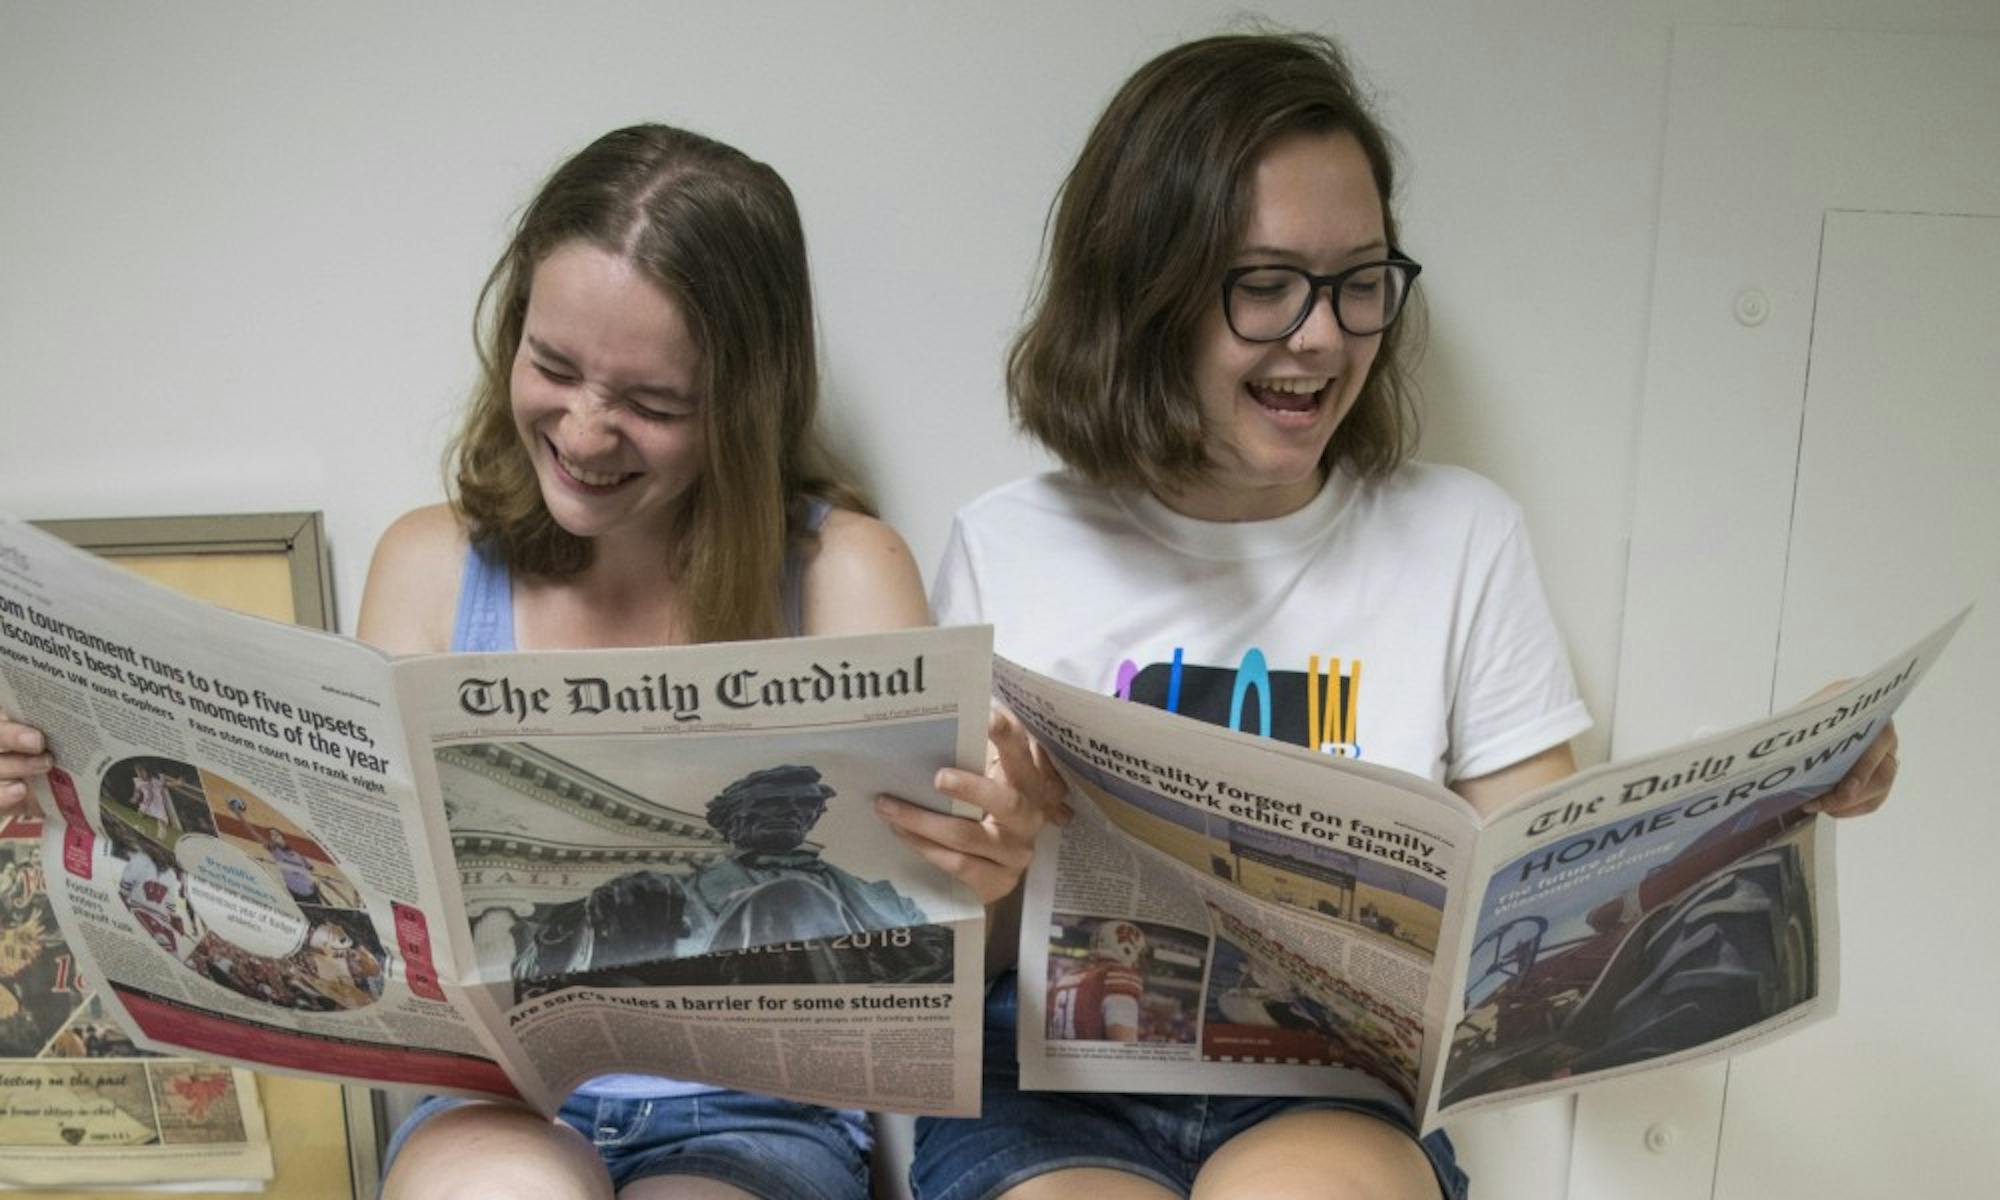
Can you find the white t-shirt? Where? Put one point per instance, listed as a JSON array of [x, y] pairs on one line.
[[1399, 621]]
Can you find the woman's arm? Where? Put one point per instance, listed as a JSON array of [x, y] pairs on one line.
[[860, 578], [1495, 790]]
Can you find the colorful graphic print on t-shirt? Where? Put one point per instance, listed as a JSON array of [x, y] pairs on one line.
[[1318, 708]]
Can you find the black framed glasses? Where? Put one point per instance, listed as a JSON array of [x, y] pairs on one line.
[[1268, 303]]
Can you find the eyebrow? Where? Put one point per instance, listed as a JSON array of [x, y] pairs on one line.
[[1377, 246], [547, 351]]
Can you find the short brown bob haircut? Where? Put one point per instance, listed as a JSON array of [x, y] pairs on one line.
[[718, 233], [1140, 235]]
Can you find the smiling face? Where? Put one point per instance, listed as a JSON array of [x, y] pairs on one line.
[[1270, 408], [606, 395]]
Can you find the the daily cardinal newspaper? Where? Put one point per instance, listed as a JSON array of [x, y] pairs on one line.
[[502, 874], [1231, 914]]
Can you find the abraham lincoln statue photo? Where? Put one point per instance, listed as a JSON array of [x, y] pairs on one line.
[[772, 911]]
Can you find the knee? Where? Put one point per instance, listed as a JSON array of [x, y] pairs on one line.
[[1319, 1156], [498, 1152]]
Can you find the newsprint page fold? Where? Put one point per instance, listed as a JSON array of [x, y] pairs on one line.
[[1232, 914], [501, 874]]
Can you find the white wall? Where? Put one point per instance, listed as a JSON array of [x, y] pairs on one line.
[[239, 243]]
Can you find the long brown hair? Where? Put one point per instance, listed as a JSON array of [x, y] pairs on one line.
[[1140, 234], [717, 232]]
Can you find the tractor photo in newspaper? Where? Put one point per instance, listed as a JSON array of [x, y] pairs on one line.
[[1716, 940]]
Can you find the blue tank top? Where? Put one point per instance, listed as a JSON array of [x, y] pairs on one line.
[[485, 622]]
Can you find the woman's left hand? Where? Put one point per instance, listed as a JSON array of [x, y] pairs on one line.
[[1866, 784], [1020, 792]]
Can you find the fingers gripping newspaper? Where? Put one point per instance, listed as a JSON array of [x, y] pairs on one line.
[[1230, 914], [502, 874]]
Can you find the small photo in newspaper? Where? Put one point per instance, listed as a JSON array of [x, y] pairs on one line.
[[236, 891], [1268, 1004], [1118, 980]]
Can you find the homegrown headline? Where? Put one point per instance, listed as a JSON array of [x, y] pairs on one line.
[[1771, 762]]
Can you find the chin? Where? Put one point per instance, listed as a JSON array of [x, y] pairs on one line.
[[1280, 472], [568, 522]]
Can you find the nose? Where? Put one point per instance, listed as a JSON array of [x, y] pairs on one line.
[[1321, 329], [590, 424]]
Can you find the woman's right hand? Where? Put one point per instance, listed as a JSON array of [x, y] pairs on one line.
[[1018, 794], [23, 755]]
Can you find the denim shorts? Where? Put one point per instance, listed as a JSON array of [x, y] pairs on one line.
[[772, 1148], [1165, 1139]]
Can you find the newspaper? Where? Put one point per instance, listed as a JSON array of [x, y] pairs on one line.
[[1231, 914], [502, 874], [80, 1105]]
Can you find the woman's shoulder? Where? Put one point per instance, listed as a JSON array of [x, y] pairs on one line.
[[1037, 500], [860, 576], [412, 591], [1439, 491], [422, 543], [432, 529]]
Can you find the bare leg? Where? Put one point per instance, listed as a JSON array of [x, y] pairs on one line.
[[1098, 1183], [1318, 1155], [681, 1187], [496, 1152]]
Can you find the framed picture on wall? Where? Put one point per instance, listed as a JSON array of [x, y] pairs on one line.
[[273, 565]]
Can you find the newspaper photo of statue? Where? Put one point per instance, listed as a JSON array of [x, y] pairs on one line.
[[605, 882], [774, 910]]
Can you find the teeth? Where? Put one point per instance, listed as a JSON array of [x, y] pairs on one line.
[[592, 478], [1295, 387]]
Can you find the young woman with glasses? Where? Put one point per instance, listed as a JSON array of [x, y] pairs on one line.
[[1218, 355]]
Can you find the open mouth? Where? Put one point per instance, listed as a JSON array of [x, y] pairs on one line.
[[1289, 397], [582, 478]]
